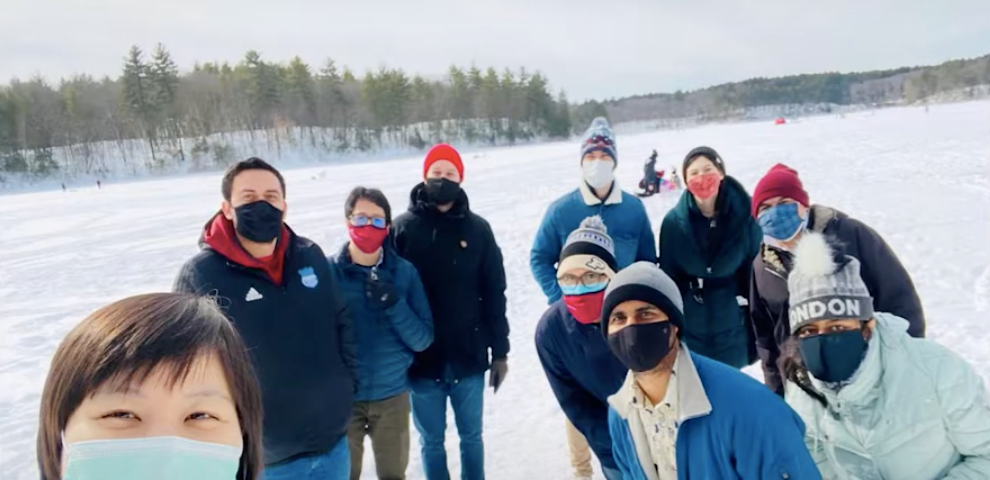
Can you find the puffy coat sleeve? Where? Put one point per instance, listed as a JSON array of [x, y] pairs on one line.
[[411, 316], [189, 280], [966, 409], [774, 445], [544, 255], [588, 414], [766, 341], [342, 318], [645, 251], [623, 450], [888, 280], [668, 250], [493, 295]]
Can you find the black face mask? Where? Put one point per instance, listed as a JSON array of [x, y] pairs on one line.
[[258, 221], [833, 357], [641, 347], [441, 191]]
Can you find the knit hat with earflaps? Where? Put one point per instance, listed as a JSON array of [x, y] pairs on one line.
[[599, 137], [644, 282], [589, 247], [825, 284]]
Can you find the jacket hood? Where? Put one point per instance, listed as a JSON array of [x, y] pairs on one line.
[[219, 235], [419, 204]]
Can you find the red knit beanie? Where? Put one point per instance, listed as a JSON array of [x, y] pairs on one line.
[[443, 151], [780, 181]]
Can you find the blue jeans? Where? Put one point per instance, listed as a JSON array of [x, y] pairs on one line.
[[333, 465], [429, 409]]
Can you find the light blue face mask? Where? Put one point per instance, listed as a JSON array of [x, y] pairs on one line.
[[582, 289], [152, 458]]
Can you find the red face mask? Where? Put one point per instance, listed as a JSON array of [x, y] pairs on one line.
[[587, 308], [704, 186], [368, 239]]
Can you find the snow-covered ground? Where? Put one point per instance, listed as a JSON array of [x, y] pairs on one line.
[[920, 179]]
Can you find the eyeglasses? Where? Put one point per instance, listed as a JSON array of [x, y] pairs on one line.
[[589, 279], [364, 220]]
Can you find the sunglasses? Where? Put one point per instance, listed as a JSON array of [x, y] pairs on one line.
[[363, 221]]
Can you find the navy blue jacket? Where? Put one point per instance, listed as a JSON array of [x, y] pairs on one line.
[[710, 260], [386, 339], [582, 372], [300, 340]]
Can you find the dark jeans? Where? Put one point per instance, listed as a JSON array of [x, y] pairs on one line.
[[333, 465], [429, 409], [387, 423]]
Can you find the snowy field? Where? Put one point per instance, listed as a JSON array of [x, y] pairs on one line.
[[920, 179]]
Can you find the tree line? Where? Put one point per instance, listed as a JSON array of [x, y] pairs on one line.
[[882, 87], [153, 116]]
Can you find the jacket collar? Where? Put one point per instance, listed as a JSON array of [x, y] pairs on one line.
[[343, 258], [590, 199], [692, 400]]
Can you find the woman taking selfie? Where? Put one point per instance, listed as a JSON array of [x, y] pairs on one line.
[[151, 387], [877, 403]]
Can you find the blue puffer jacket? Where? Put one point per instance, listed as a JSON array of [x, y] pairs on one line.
[[622, 213], [914, 411], [386, 339], [730, 427]]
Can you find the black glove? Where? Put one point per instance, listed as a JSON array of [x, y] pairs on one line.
[[382, 294], [500, 369]]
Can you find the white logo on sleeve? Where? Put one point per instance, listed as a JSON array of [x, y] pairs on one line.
[[253, 295]]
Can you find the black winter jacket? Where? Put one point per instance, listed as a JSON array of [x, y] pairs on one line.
[[462, 271], [889, 284], [300, 340]]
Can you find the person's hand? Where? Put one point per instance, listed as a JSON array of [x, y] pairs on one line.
[[500, 369], [382, 294]]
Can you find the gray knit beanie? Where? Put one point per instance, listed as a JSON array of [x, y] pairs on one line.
[[645, 282], [825, 284]]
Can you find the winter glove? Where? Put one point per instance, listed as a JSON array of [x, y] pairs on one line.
[[500, 368], [382, 294]]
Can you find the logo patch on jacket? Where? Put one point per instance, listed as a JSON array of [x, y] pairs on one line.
[[253, 295], [309, 279]]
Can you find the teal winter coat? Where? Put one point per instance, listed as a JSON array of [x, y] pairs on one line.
[[913, 411], [710, 260]]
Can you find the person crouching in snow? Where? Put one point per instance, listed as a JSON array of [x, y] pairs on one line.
[[781, 206], [707, 245], [392, 321], [581, 369], [879, 404], [680, 415]]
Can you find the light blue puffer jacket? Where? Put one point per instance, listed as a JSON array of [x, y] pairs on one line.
[[914, 411]]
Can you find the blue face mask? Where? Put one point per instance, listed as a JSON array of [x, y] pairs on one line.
[[782, 222], [582, 289], [152, 458], [833, 357]]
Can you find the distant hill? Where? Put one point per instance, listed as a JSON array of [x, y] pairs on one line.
[[822, 91]]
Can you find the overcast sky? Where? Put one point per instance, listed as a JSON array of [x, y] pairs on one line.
[[592, 49]]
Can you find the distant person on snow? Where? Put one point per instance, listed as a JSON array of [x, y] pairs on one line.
[[707, 245], [781, 206], [392, 322], [597, 194], [459, 260], [99, 185], [878, 403], [679, 414], [581, 369], [280, 295], [651, 181]]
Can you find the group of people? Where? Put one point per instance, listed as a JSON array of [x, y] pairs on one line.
[[271, 360]]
